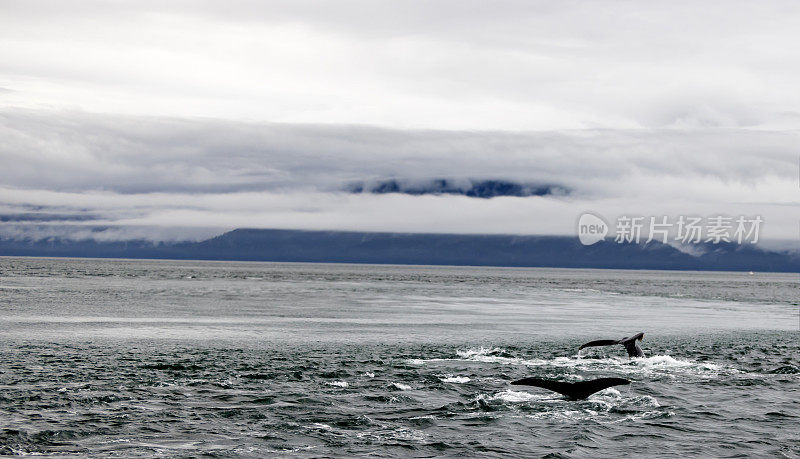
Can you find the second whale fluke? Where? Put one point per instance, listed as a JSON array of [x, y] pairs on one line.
[[573, 391], [631, 344]]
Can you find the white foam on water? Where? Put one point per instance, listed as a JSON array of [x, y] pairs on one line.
[[408, 434], [509, 360], [567, 415], [600, 407], [649, 414], [164, 384], [115, 440], [655, 364], [643, 400], [297, 449], [427, 416], [455, 379], [20, 452], [600, 404], [400, 433], [513, 396], [492, 355], [665, 364], [369, 375], [482, 354], [482, 351], [667, 361]]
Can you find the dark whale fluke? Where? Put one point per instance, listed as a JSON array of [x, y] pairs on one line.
[[573, 391], [631, 344]]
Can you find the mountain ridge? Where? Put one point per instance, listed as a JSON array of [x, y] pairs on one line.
[[276, 245]]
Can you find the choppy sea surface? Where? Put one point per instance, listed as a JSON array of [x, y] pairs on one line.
[[162, 358]]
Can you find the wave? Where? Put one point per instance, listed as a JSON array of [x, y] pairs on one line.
[[321, 426], [513, 396], [785, 370], [496, 355], [657, 364], [393, 434], [484, 351], [455, 379], [605, 406]]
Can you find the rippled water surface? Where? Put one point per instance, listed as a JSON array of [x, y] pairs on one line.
[[149, 358]]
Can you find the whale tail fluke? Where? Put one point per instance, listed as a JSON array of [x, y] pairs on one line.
[[600, 342], [572, 391], [631, 344]]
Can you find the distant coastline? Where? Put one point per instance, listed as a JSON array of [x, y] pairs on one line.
[[419, 249]]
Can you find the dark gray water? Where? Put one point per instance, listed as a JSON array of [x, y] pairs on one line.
[[143, 358]]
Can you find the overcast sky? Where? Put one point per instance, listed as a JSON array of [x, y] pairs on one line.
[[183, 119]]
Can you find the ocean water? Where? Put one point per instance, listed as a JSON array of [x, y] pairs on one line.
[[161, 358]]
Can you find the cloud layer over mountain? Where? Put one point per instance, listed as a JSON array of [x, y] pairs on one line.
[[124, 170]]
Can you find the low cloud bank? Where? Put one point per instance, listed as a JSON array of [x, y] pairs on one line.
[[171, 173]]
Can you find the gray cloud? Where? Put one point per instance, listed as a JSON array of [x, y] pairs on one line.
[[445, 64], [45, 217], [69, 151], [37, 232]]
